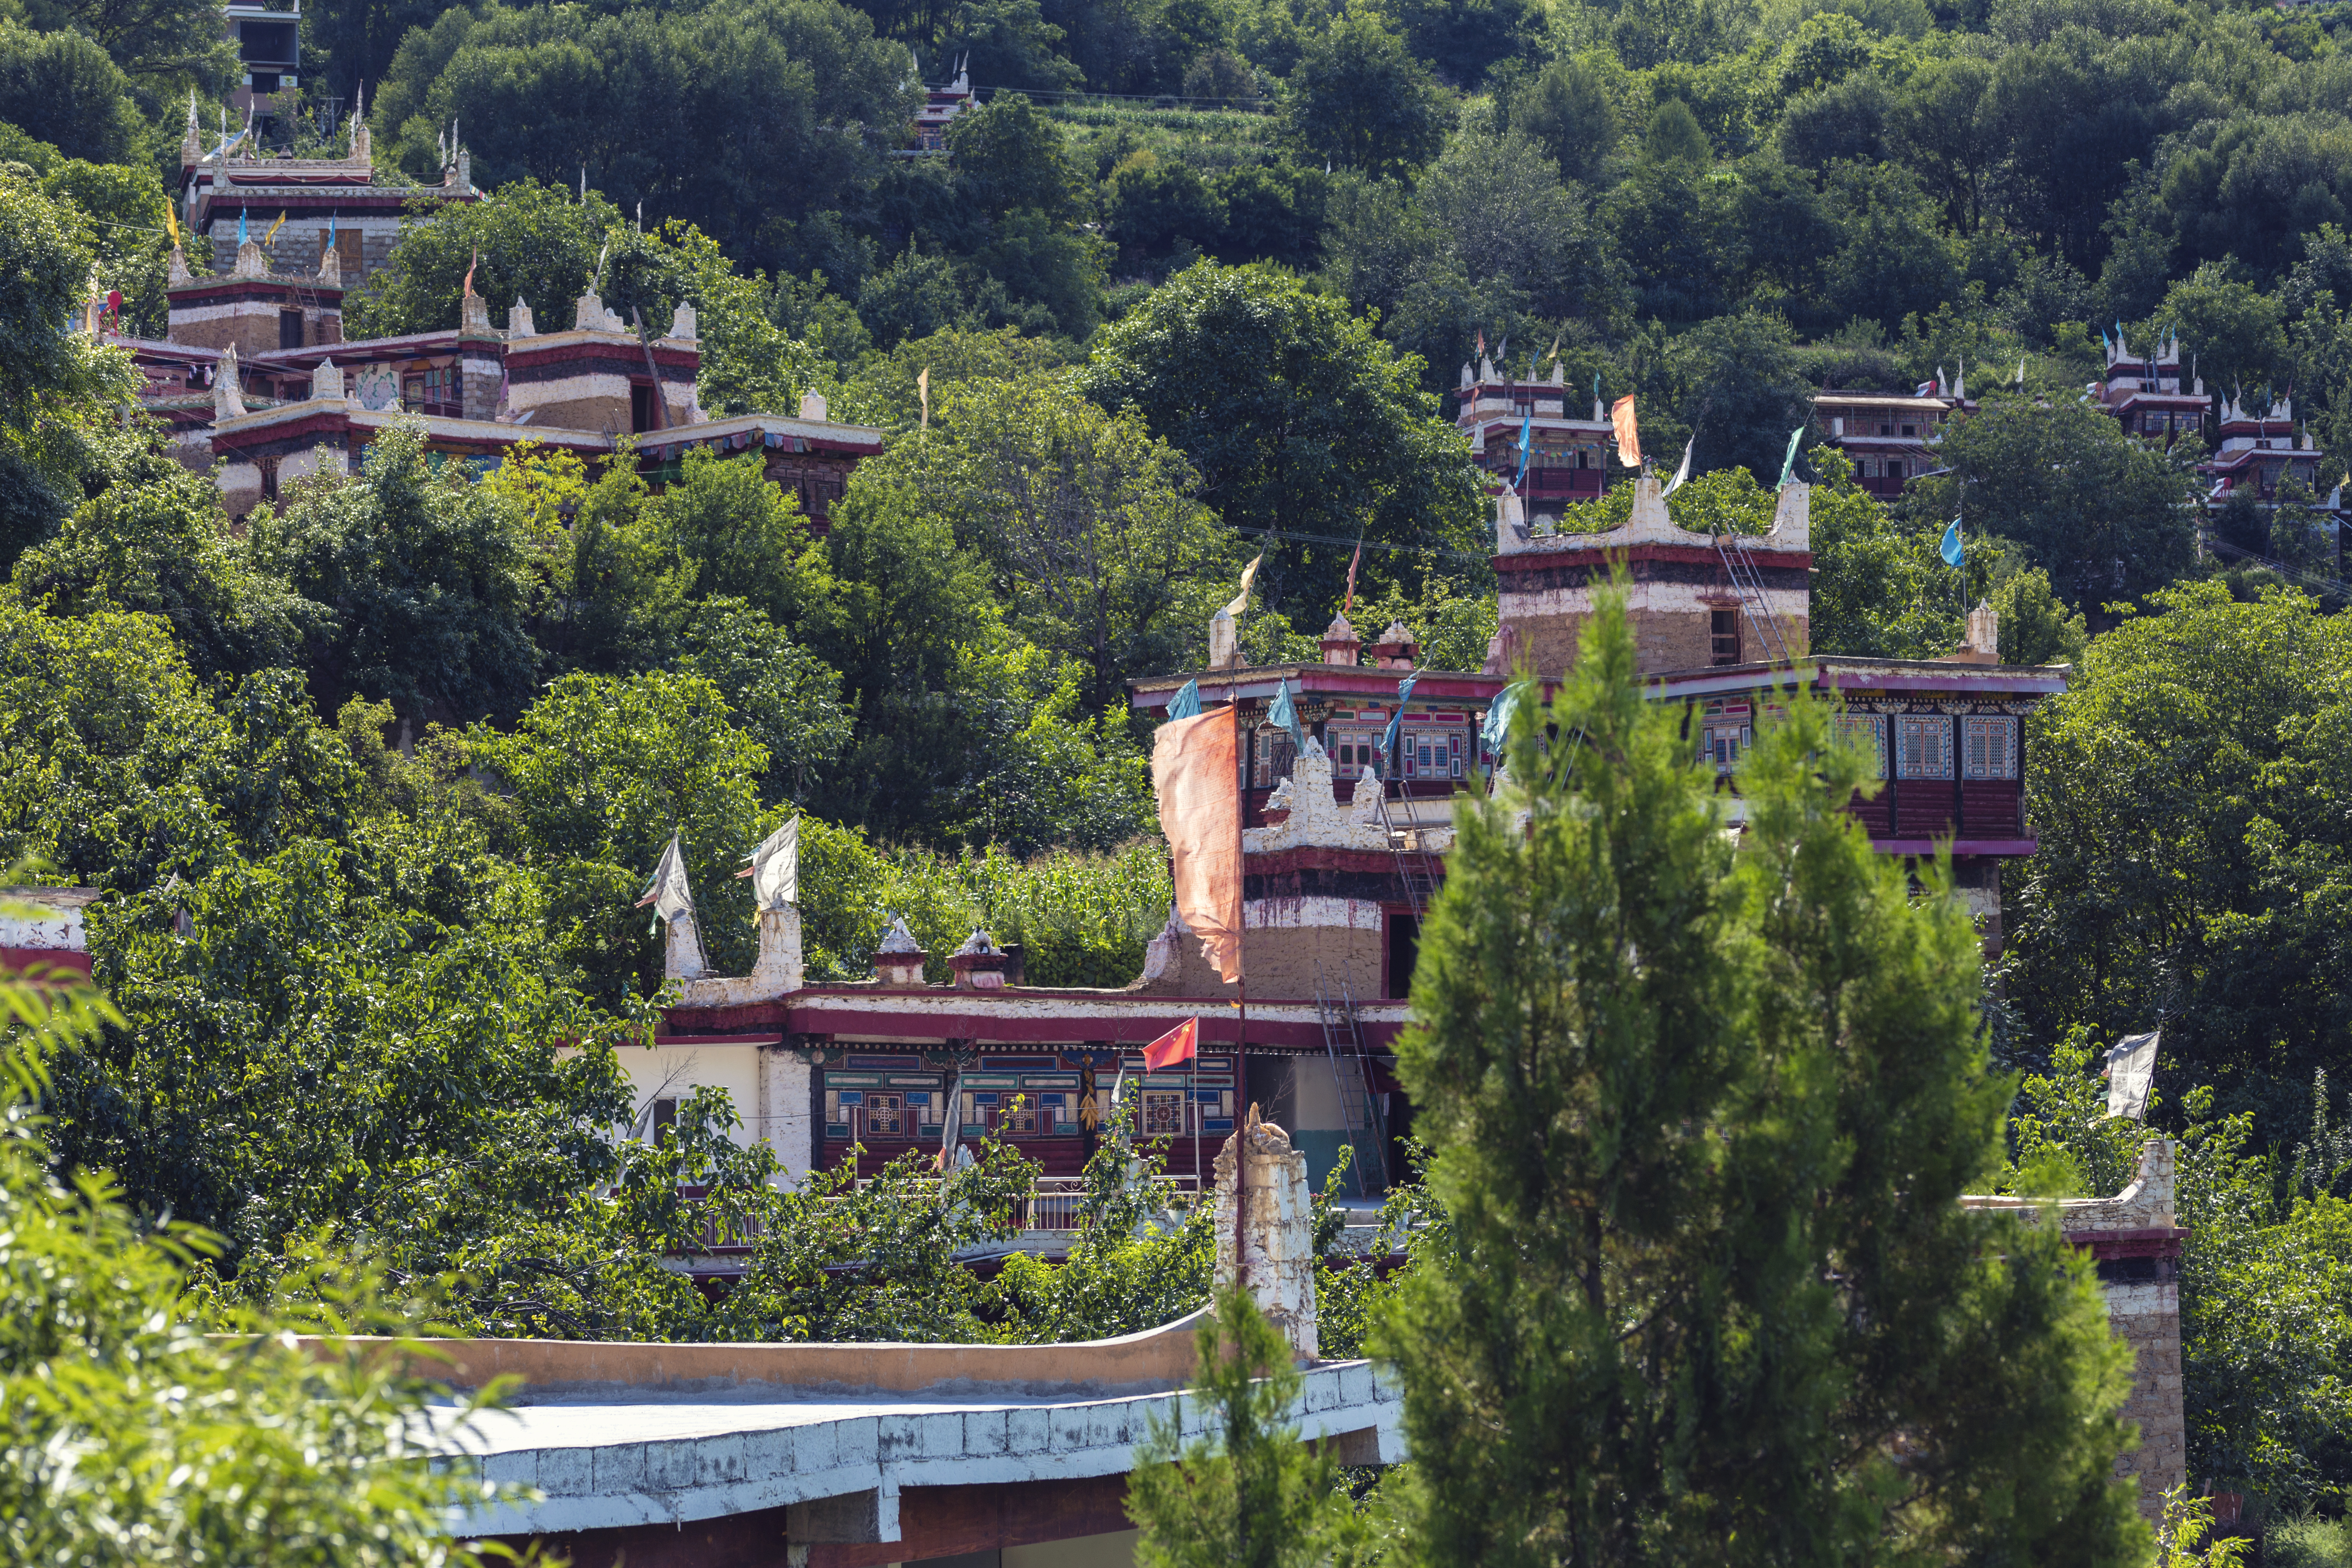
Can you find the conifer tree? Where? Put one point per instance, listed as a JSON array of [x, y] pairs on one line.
[[1703, 1105], [1247, 1493]]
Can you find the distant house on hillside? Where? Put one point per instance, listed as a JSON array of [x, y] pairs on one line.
[[253, 372]]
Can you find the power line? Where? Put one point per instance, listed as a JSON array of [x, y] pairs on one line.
[[2335, 585], [1278, 534]]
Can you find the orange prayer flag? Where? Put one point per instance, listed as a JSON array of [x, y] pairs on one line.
[[1180, 1044], [1195, 773], [1629, 438]]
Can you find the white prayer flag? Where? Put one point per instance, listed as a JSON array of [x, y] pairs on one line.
[[2131, 1069], [669, 895], [1241, 600], [776, 868]]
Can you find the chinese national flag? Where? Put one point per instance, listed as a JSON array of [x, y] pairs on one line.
[[1180, 1044]]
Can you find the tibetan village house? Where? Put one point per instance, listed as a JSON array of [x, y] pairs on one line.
[[1344, 841], [257, 382]]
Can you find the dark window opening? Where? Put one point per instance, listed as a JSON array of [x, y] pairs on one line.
[[1724, 629], [664, 1118], [1404, 947], [289, 328], [266, 43], [641, 408]]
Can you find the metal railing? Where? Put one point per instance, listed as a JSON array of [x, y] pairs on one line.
[[1056, 1203]]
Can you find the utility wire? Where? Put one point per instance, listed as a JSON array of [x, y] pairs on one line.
[[2335, 585], [1279, 534]]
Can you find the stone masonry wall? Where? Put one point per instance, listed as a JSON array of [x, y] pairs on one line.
[[1276, 1233], [2136, 1241]]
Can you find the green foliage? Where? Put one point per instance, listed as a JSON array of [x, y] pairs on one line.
[[2184, 791], [62, 88], [602, 771], [2107, 517], [1361, 100], [1568, 112], [964, 727], [135, 1438], [1098, 552], [155, 541], [419, 581], [161, 41], [836, 1261], [125, 204], [723, 116], [1884, 591], [44, 268], [1296, 417], [1454, 628], [1132, 1266], [1668, 1082], [1246, 1491], [2034, 627]]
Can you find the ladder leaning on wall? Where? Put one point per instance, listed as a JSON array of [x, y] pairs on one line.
[[1351, 1074]]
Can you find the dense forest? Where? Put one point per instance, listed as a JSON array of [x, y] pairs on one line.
[[372, 781]]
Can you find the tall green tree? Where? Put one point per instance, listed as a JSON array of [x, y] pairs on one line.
[[739, 118], [1098, 550], [156, 540], [1359, 98], [1702, 1114], [63, 88], [421, 580], [1246, 1491], [1298, 418], [2188, 791], [2110, 518], [135, 1438]]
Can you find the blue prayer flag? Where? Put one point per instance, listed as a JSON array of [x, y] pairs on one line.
[[1789, 463], [1285, 713], [1495, 732], [1950, 547], [1186, 703], [1527, 431], [1405, 695]]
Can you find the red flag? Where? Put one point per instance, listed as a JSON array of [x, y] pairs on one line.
[[1482, 342], [1180, 1044], [1357, 561]]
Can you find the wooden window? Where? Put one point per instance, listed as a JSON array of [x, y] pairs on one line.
[[1163, 1114], [884, 1117], [1019, 1115], [1991, 745], [1722, 742], [289, 328], [641, 407], [664, 1118], [1867, 732], [1723, 628], [1275, 757], [1923, 746]]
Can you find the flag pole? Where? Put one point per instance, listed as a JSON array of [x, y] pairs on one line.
[[1240, 953]]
